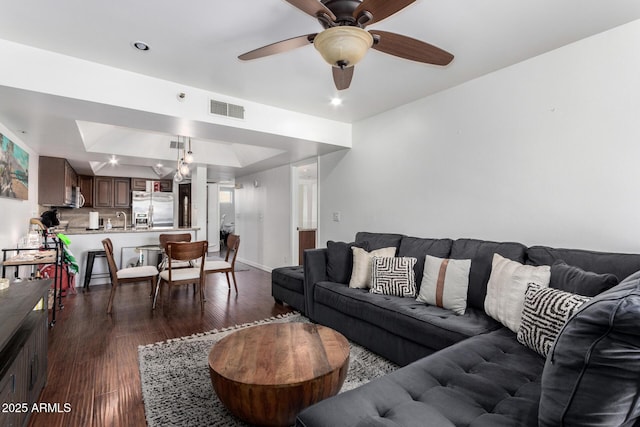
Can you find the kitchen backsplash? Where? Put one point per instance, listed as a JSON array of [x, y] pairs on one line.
[[79, 218]]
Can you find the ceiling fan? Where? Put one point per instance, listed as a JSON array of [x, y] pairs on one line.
[[344, 41]]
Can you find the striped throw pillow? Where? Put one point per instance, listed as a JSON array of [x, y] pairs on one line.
[[445, 283]]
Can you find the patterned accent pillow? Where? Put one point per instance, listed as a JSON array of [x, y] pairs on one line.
[[545, 312], [393, 276], [445, 283]]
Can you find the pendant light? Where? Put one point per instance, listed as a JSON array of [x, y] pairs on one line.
[[188, 158], [177, 177]]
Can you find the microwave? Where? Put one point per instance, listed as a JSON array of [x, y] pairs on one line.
[[77, 199]]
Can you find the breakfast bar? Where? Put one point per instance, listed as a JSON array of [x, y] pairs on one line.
[[125, 242]]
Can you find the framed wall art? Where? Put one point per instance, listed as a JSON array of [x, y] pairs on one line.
[[14, 170]]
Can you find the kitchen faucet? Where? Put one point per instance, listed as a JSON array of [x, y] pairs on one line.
[[119, 214]]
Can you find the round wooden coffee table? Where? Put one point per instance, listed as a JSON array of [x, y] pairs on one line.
[[267, 374]]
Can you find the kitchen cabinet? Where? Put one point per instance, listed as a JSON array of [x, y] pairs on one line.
[[140, 184], [23, 349], [86, 188], [110, 192], [56, 179], [166, 185]]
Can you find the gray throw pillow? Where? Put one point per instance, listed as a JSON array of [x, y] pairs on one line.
[[340, 260], [577, 281], [590, 377]]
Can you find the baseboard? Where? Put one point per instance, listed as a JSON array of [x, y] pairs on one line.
[[255, 264]]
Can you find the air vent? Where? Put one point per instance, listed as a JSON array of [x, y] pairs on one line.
[[177, 144], [225, 109]]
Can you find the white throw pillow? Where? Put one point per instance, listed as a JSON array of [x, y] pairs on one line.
[[445, 283], [507, 286], [361, 272]]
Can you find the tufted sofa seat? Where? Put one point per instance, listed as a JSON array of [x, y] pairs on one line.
[[493, 379], [287, 285], [433, 328], [469, 370]]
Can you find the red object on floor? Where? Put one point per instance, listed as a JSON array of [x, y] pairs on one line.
[[68, 280]]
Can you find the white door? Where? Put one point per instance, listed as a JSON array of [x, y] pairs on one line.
[[213, 218]]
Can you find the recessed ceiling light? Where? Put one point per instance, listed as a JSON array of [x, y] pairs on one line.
[[140, 46], [336, 101], [159, 165], [113, 160]]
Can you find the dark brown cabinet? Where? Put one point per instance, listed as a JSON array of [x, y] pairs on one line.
[[140, 184], [56, 179], [166, 185], [103, 192], [110, 192], [86, 188], [23, 349]]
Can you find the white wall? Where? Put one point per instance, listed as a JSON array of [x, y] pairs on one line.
[[542, 152], [263, 218], [15, 214]]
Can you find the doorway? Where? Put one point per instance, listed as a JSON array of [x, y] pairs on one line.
[[304, 197], [226, 199]]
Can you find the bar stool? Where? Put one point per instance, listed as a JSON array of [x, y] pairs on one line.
[[91, 256]]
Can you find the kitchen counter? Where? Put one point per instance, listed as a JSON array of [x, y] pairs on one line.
[[115, 230], [124, 244]]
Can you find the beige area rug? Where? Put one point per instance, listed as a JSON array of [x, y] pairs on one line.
[[177, 390]]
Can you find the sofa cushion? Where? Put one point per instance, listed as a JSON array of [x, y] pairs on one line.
[[428, 325], [340, 260], [591, 374], [419, 248], [393, 276], [291, 278], [545, 312], [379, 240], [445, 283], [575, 280], [507, 287], [620, 265], [486, 381], [480, 252]]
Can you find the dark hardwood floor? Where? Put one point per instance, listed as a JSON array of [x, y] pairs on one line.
[[93, 357]]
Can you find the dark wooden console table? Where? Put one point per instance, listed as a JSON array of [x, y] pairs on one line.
[[23, 348]]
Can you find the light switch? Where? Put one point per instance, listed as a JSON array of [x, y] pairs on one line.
[[336, 216]]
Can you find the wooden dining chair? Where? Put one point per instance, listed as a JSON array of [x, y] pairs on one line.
[[145, 273], [178, 253], [226, 266], [166, 239]]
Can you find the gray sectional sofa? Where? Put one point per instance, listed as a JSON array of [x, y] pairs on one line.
[[469, 370]]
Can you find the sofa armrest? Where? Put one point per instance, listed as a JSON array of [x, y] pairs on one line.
[[315, 270]]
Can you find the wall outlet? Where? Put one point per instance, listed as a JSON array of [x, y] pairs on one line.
[[336, 216]]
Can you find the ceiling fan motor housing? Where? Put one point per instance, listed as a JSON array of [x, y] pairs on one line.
[[343, 10]]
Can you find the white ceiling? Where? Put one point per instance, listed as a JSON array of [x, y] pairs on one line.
[[196, 43]]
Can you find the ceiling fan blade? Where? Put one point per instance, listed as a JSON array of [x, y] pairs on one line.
[[278, 47], [313, 8], [380, 9], [342, 77], [408, 48]]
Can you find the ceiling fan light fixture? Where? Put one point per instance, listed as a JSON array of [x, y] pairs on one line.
[[344, 45]]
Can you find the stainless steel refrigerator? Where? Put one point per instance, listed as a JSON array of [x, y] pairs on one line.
[[158, 205]]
